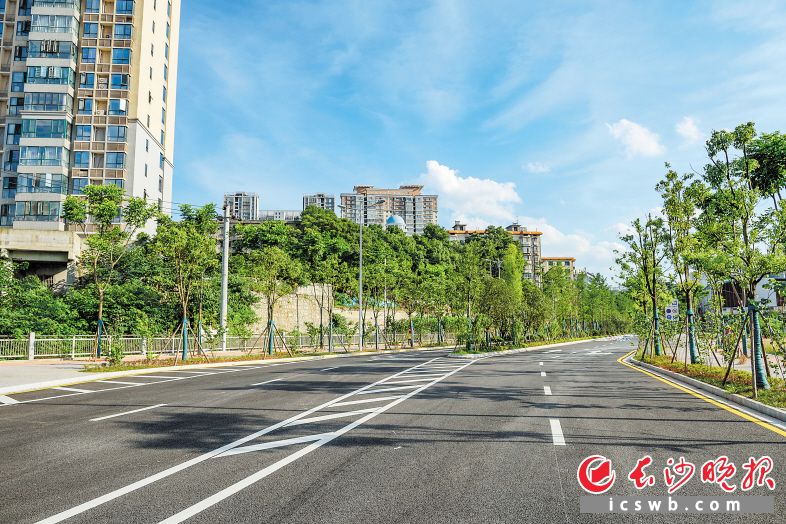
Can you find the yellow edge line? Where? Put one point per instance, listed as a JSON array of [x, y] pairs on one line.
[[765, 425]]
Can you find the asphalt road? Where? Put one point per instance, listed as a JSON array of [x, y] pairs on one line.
[[408, 437]]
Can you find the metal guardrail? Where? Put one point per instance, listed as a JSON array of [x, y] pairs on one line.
[[83, 346]]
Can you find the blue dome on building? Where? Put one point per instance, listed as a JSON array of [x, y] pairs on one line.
[[396, 221]]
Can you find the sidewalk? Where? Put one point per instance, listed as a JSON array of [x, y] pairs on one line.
[[21, 372]]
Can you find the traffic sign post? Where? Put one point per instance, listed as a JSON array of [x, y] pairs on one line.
[[673, 311]]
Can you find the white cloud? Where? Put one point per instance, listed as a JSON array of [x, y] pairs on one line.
[[637, 139], [689, 131], [477, 201], [536, 167]]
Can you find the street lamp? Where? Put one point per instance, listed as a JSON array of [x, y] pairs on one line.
[[363, 206]]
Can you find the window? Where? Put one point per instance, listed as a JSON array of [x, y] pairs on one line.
[[43, 156], [162, 136], [149, 97], [50, 75], [124, 7], [9, 188], [152, 49], [147, 145], [119, 81], [45, 129], [92, 6], [148, 121], [42, 183], [119, 182], [20, 53], [53, 24], [154, 24], [51, 49], [87, 80], [78, 184], [14, 105], [166, 72], [163, 116], [83, 133], [117, 106], [164, 93], [168, 29], [151, 73], [115, 160], [12, 161], [160, 184], [116, 134], [38, 211], [145, 170], [82, 159], [13, 133], [122, 31], [121, 56], [85, 106], [161, 160], [166, 51], [18, 80], [23, 28], [169, 8], [89, 55], [90, 30]]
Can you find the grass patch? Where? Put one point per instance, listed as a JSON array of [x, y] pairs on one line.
[[739, 382]]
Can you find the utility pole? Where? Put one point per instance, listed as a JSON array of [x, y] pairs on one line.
[[224, 280], [360, 280]]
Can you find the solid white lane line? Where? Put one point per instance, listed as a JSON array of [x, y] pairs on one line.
[[364, 401], [328, 369], [397, 388], [7, 400], [556, 432], [267, 382], [542, 373], [553, 350], [259, 475], [274, 444], [126, 413], [75, 390], [112, 495], [540, 363], [331, 416], [119, 382], [547, 390]]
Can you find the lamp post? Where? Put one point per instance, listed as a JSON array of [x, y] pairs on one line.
[[363, 206]]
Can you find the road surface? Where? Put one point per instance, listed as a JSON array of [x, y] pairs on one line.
[[406, 437]]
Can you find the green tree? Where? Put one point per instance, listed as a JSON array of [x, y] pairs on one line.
[[112, 226]]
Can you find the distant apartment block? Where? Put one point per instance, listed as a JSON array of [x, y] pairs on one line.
[[242, 206], [528, 241], [568, 263], [416, 209], [290, 216], [321, 200]]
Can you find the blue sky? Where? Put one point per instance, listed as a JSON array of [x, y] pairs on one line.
[[558, 114]]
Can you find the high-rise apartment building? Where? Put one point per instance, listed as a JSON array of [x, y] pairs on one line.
[[87, 96], [369, 205], [529, 243], [568, 263], [242, 206], [321, 200]]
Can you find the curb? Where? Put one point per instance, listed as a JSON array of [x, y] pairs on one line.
[[96, 376], [752, 405], [521, 350]]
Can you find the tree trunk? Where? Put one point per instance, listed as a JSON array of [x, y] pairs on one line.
[[694, 356], [757, 360]]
